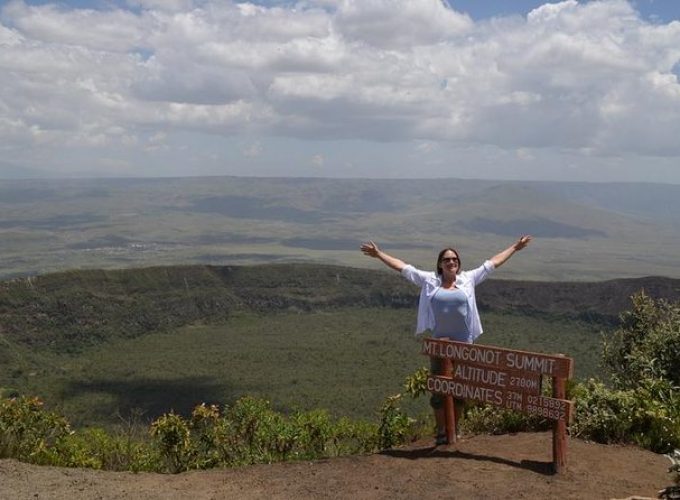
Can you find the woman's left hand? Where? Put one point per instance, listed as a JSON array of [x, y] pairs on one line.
[[522, 242], [370, 248], [501, 258]]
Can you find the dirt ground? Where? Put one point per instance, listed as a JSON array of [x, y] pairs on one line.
[[510, 466]]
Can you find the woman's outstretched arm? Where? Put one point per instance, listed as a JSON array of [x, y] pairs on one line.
[[502, 257], [371, 249]]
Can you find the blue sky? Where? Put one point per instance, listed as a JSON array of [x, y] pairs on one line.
[[653, 10], [341, 88]]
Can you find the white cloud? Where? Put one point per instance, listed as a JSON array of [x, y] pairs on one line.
[[252, 150], [583, 77], [163, 5], [318, 160], [390, 24], [155, 142], [524, 154], [109, 31], [425, 147]]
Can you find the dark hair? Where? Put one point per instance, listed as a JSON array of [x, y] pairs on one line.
[[441, 254]]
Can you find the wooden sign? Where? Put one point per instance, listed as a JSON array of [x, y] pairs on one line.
[[495, 378], [543, 406], [499, 357], [506, 378]]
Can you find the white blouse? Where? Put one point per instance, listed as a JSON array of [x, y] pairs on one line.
[[429, 282]]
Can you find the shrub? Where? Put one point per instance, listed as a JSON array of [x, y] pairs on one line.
[[415, 384], [488, 419], [647, 415], [353, 437], [646, 345], [602, 414], [172, 435], [313, 432], [251, 432], [395, 426], [643, 357], [28, 432], [98, 449]]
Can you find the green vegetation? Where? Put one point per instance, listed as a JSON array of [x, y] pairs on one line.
[[643, 356], [248, 432], [343, 360], [197, 353], [647, 344], [99, 346], [645, 411], [66, 312]]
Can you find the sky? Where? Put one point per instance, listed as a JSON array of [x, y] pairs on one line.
[[526, 90]]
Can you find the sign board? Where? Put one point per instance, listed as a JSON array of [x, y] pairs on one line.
[[506, 378], [500, 358], [494, 378], [550, 408]]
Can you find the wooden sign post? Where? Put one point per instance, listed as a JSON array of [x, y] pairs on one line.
[[507, 378]]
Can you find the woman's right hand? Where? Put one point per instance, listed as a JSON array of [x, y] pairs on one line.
[[370, 248]]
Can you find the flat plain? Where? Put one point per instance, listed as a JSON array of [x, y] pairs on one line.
[[582, 231]]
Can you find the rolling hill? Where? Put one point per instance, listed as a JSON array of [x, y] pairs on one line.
[[71, 309], [583, 232]]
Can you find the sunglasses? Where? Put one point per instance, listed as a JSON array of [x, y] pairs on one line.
[[450, 259]]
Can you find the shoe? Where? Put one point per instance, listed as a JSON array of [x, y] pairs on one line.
[[441, 440]]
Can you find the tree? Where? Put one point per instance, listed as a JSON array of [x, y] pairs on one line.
[[646, 347]]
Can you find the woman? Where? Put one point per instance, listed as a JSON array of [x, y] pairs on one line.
[[447, 305]]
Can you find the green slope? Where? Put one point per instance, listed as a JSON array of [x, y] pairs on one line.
[[99, 344]]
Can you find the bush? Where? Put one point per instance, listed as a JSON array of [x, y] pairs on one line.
[[28, 432], [172, 434], [488, 419], [98, 449], [251, 432], [602, 414], [647, 344], [395, 426], [353, 437], [313, 431], [643, 357]]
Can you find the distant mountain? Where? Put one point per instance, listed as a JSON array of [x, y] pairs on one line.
[[582, 231], [652, 202], [11, 171]]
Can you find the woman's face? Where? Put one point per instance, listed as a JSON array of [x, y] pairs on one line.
[[449, 263]]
